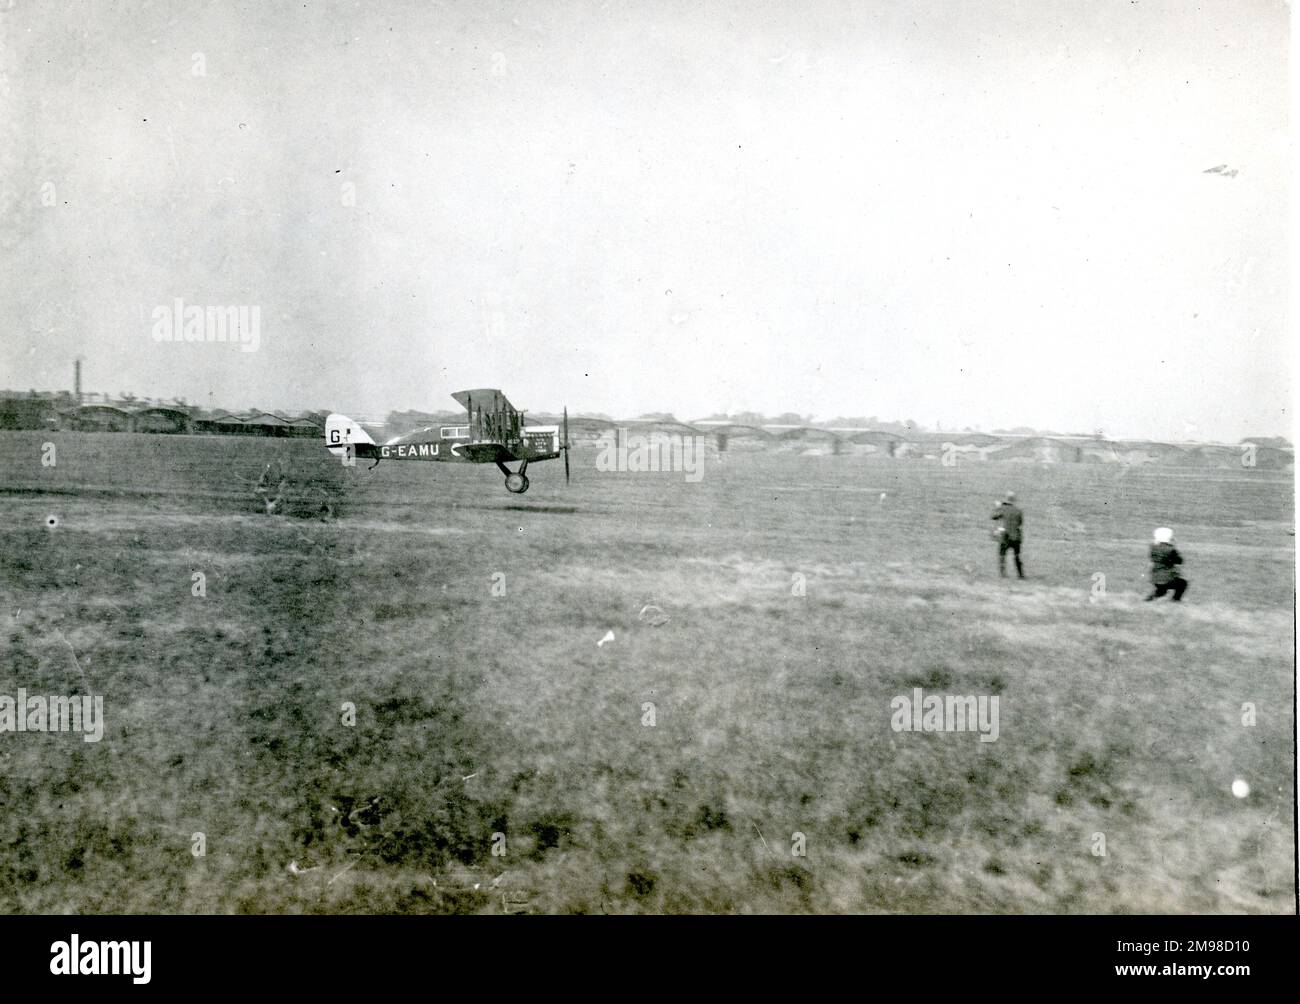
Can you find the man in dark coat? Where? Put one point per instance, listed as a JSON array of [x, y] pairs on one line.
[[1009, 533], [1165, 560]]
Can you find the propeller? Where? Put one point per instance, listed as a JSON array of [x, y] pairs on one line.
[[566, 444]]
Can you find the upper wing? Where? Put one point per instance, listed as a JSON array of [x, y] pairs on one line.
[[485, 399]]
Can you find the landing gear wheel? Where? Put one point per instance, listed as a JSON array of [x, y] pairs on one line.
[[517, 483]]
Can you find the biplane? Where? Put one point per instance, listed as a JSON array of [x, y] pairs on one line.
[[493, 433]]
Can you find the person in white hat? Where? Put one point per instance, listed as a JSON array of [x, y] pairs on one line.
[[1165, 559]]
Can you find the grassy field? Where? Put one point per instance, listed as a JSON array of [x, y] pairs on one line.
[[481, 714]]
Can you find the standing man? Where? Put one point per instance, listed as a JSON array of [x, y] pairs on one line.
[[1009, 533], [1165, 560]]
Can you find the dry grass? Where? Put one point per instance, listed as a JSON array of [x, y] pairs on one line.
[[480, 714]]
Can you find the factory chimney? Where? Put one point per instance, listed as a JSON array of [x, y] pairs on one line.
[[76, 380]]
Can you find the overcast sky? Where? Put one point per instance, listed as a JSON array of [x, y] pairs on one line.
[[984, 214]]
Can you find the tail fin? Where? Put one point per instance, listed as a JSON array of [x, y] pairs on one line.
[[342, 432]]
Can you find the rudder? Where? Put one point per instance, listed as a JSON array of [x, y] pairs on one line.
[[342, 432]]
